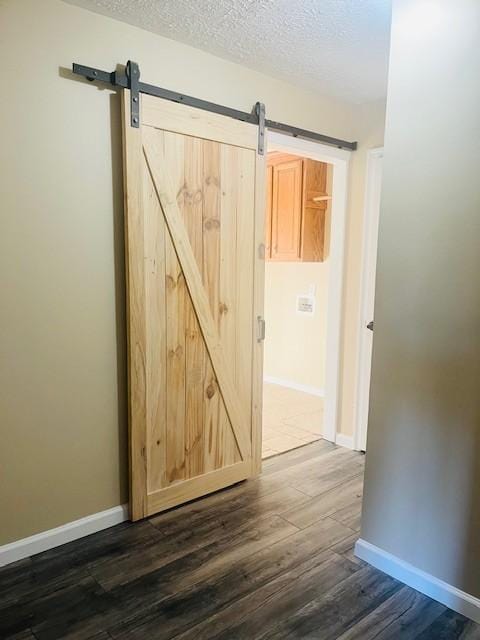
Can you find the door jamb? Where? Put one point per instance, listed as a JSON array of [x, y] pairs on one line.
[[339, 158], [373, 185]]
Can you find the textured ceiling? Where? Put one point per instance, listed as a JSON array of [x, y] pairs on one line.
[[333, 47]]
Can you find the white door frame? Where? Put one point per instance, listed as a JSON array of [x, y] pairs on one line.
[[339, 158], [373, 185]]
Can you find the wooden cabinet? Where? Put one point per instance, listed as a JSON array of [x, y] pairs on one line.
[[297, 203], [286, 210]]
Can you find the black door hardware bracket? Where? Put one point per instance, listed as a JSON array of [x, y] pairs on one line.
[[130, 79]]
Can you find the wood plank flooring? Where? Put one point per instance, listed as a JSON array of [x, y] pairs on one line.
[[268, 559]]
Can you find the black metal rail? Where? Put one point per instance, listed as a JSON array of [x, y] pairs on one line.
[[130, 79]]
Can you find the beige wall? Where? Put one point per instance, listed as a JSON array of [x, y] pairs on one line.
[[62, 369], [422, 487], [295, 343]]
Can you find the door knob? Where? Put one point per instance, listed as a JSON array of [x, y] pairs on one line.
[[370, 325]]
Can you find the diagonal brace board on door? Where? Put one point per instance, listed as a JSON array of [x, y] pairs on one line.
[[155, 161]]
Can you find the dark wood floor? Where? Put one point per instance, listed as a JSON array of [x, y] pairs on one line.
[[266, 559]]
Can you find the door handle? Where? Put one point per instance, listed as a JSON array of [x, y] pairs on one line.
[[370, 325], [261, 329]]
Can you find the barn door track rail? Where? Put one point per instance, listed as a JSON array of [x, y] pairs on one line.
[[130, 79]]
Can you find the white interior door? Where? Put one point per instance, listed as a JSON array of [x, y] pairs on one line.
[[370, 242]]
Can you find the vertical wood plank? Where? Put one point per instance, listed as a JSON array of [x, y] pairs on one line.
[[228, 451], [134, 238], [211, 278], [244, 273], [194, 345], [175, 296], [258, 311], [156, 371]]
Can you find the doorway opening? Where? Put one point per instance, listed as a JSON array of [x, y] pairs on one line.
[[297, 243], [305, 234]]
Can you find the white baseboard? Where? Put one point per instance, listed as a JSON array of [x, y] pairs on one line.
[[344, 441], [60, 535], [313, 391], [427, 584]]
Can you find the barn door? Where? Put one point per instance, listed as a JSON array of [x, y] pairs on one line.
[[194, 231]]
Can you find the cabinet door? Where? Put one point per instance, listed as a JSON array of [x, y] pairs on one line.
[[287, 210]]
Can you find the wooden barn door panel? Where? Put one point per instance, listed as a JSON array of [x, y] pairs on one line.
[[193, 196]]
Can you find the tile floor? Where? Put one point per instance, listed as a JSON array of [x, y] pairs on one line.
[[290, 419]]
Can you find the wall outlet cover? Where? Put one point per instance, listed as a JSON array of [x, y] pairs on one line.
[[306, 304]]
